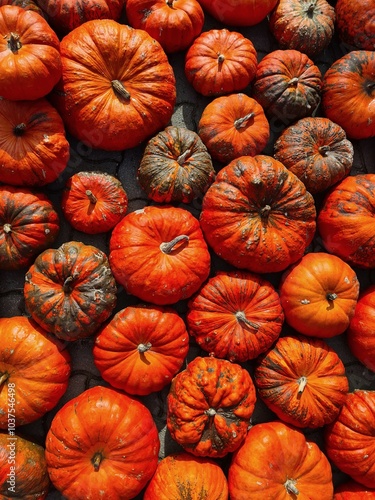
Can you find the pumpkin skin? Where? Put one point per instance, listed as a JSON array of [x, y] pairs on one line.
[[30, 64], [182, 475], [28, 225], [99, 436], [355, 23], [33, 368], [287, 85], [317, 151], [233, 126], [235, 315], [304, 26], [350, 490], [302, 380], [275, 462], [173, 23], [70, 291], [238, 12], [105, 73], [348, 93], [175, 166], [93, 202], [349, 440], [141, 349], [257, 215], [25, 4], [360, 334], [345, 220], [34, 150], [24, 460], [159, 254], [220, 62], [209, 406], [319, 295]]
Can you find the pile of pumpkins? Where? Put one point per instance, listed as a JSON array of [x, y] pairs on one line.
[[100, 73]]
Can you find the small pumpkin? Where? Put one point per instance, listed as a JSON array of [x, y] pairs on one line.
[[159, 254], [30, 63], [235, 315], [238, 12], [317, 151], [175, 166], [351, 490], [355, 23], [93, 202], [28, 225], [102, 444], [302, 380], [70, 291], [232, 126], [220, 62], [319, 295], [34, 371], [257, 215], [349, 440], [209, 406], [173, 23], [141, 348], [277, 461], [23, 469]]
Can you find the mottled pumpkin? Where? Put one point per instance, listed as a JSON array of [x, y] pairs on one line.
[[355, 23], [257, 215], [25, 4], [70, 291], [209, 406]]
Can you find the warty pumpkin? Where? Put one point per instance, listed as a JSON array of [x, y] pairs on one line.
[[355, 23], [25, 4], [102, 444], [238, 12]]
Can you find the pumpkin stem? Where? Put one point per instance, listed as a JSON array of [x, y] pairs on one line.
[[293, 82], [90, 195], [7, 228], [264, 211], [240, 315], [144, 347], [211, 412], [19, 129], [182, 158], [242, 122], [14, 43], [66, 286], [302, 383], [220, 58], [291, 487], [323, 150], [168, 246], [3, 378], [169, 3], [331, 296], [310, 8], [96, 460], [120, 90], [370, 88]]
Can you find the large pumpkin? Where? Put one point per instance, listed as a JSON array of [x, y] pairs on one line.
[[351, 490], [355, 23], [159, 254], [34, 371], [209, 406], [111, 69], [257, 215], [235, 315], [238, 12], [102, 444], [277, 462], [70, 291]]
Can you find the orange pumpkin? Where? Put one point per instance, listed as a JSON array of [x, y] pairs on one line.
[[238, 12], [351, 490], [355, 23]]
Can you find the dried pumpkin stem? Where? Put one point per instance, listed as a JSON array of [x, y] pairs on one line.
[[240, 315], [211, 412], [144, 347], [169, 3], [97, 460], [7, 228], [264, 211], [331, 296], [182, 158], [90, 195], [302, 383], [14, 43], [291, 487], [19, 129], [168, 246], [3, 378], [220, 58], [120, 90], [311, 7], [67, 284], [323, 150], [293, 82], [242, 122]]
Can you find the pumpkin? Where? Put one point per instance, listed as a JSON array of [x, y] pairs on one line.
[[317, 151], [111, 69], [30, 64], [355, 23], [346, 220], [257, 215], [348, 93], [25, 4], [349, 440], [233, 126], [350, 490], [302, 380], [361, 332], [141, 348], [287, 85], [277, 461], [23, 469], [220, 61], [93, 202], [235, 315], [238, 12], [209, 406], [28, 225], [173, 23], [182, 475], [319, 295], [70, 291], [34, 371], [175, 166], [102, 444], [307, 26], [159, 254], [34, 150]]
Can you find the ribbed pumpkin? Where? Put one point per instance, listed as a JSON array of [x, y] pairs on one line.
[[355, 23], [238, 12], [351, 490]]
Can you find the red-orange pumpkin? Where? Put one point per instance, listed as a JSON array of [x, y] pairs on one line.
[[355, 23], [351, 490], [238, 12]]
